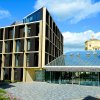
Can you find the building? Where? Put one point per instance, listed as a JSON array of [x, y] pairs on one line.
[[77, 67], [26, 47], [92, 44]]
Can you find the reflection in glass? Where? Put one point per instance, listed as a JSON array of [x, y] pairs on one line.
[[17, 45], [81, 78]]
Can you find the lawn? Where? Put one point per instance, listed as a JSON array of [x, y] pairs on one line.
[[3, 95]]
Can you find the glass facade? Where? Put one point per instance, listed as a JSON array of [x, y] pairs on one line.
[[78, 67], [40, 75], [36, 16], [81, 78]]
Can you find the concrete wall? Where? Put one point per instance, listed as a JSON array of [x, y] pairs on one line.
[[30, 75]]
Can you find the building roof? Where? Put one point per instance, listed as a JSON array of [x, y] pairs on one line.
[[91, 40], [77, 60]]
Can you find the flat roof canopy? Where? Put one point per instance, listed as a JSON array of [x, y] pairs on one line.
[[73, 68]]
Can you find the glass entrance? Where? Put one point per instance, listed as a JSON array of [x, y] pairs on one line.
[[81, 78]]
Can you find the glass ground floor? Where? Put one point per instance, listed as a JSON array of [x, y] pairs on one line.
[[81, 78]]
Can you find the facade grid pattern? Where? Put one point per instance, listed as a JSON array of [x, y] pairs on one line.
[[25, 48]]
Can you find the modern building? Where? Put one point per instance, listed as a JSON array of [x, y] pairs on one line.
[[26, 47], [92, 44], [76, 67], [33, 51]]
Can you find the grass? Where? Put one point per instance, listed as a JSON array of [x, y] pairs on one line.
[[2, 91], [3, 95], [6, 96]]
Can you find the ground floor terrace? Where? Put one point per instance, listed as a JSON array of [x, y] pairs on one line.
[[50, 91]]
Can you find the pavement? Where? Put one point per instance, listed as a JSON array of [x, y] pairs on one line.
[[50, 91]]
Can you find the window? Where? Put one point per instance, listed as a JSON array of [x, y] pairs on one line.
[[1, 34], [28, 45], [36, 16], [31, 18], [90, 45], [9, 33], [33, 44], [9, 46], [7, 74], [16, 60], [20, 45], [0, 59], [27, 60], [0, 47], [29, 31], [19, 31], [6, 47], [17, 45], [19, 60], [18, 74], [32, 60], [8, 60]]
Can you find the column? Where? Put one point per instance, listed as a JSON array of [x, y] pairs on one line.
[[3, 50], [13, 58], [24, 62]]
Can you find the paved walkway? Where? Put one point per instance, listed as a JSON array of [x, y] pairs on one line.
[[47, 91]]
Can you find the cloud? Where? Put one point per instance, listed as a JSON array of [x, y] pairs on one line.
[[4, 14], [76, 41], [72, 10]]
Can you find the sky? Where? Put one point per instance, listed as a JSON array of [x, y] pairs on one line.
[[78, 20]]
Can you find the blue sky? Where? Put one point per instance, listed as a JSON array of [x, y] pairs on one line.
[[77, 19]]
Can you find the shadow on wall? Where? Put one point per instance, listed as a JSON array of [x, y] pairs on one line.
[[90, 98], [5, 85]]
